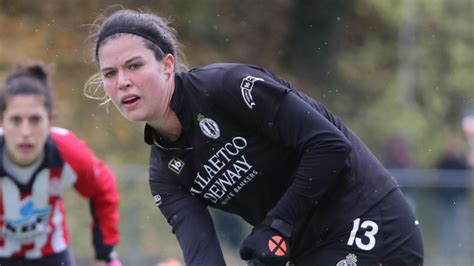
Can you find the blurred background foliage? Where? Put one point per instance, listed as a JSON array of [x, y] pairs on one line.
[[386, 67]]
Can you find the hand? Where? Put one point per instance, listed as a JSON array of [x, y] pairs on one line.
[[104, 253], [265, 246], [114, 262], [169, 262]]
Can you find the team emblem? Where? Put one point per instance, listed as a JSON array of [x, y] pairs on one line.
[[31, 223], [209, 127], [246, 88], [176, 165], [157, 199], [350, 260]]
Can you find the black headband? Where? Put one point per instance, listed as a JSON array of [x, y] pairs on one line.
[[135, 31]]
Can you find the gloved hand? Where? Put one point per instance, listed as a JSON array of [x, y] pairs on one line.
[[106, 255], [265, 246]]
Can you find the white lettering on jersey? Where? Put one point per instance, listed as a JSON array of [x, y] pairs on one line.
[[246, 87], [370, 229], [225, 173]]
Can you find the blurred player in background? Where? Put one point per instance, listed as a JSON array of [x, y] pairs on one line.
[[38, 162]]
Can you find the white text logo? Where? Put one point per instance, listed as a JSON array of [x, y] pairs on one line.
[[246, 88]]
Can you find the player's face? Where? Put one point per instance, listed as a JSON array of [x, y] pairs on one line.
[[25, 125], [138, 84]]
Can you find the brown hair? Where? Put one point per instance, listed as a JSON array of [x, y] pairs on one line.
[[29, 78], [156, 32]]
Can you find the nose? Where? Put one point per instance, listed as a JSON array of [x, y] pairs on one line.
[[25, 129], [123, 81]]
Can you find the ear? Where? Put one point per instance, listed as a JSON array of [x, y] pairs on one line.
[[168, 64]]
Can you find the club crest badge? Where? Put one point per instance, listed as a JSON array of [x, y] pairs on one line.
[[209, 127], [157, 199], [176, 165], [350, 260], [246, 88]]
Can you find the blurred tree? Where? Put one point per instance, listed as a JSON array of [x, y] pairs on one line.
[[387, 67]]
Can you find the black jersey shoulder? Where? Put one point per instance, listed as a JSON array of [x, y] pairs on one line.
[[236, 91], [215, 77], [237, 85]]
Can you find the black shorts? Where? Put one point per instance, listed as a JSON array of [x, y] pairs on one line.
[[62, 258], [387, 234]]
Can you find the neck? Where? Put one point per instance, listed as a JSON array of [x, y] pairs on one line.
[[8, 157], [168, 125]]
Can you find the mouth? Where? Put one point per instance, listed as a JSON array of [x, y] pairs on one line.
[[25, 147], [129, 100]]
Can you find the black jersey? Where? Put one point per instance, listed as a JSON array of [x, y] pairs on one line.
[[255, 146]]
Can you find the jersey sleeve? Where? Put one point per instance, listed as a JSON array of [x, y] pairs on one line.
[[96, 182], [259, 100], [324, 152], [188, 216]]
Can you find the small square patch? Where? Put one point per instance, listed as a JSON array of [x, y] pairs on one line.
[[176, 165]]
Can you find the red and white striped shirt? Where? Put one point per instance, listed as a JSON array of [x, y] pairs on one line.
[[32, 214]]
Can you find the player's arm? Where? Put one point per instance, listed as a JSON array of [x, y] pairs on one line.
[[257, 99], [188, 216], [96, 182], [104, 205], [270, 106], [324, 153]]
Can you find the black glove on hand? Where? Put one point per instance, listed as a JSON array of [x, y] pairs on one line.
[[265, 246], [106, 253]]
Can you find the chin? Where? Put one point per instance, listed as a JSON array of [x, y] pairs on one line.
[[135, 117], [24, 162], [130, 116]]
